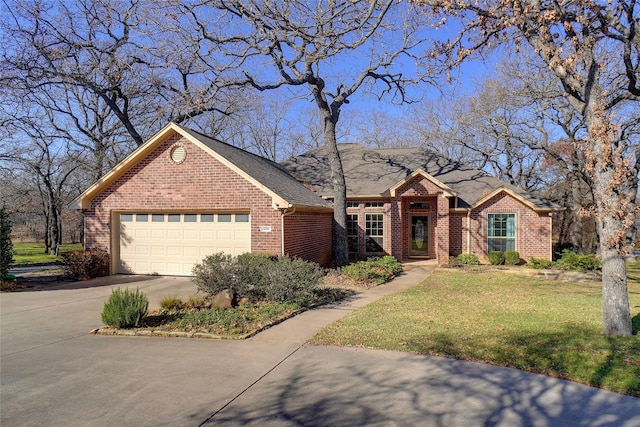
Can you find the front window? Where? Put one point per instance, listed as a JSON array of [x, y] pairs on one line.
[[374, 227], [502, 232], [352, 232]]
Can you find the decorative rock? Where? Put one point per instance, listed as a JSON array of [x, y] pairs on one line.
[[224, 299]]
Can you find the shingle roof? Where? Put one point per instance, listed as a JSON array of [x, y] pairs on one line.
[[373, 172], [268, 173]]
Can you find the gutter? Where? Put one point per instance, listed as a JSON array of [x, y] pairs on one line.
[[469, 231]]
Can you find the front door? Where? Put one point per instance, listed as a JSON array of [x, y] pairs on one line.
[[419, 239]]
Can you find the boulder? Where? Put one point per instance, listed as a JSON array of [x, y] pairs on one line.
[[224, 299]]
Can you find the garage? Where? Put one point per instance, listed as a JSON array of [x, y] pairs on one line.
[[171, 243]]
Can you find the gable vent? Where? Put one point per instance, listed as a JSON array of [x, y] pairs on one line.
[[178, 154]]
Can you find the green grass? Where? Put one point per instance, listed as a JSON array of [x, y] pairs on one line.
[[33, 253], [516, 321]]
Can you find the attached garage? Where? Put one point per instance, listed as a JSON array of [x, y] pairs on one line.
[[172, 243], [182, 196]]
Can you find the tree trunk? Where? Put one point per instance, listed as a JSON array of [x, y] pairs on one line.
[[340, 243], [609, 195]]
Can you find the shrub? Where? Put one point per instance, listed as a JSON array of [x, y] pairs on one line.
[[171, 303], [125, 308], [511, 257], [540, 263], [373, 269], [574, 261], [468, 259], [293, 280], [259, 277], [82, 265], [496, 257], [252, 274], [215, 273]]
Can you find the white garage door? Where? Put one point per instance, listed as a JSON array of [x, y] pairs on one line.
[[170, 244]]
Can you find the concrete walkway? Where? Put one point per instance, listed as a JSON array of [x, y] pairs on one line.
[[53, 373]]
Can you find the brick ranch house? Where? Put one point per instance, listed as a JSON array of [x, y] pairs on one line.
[[182, 196]]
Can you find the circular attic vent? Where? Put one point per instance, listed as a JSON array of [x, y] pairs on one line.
[[178, 154]]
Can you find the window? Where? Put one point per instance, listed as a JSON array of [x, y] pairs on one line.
[[173, 218], [206, 218], [126, 217], [157, 218], [502, 232], [419, 205], [374, 204], [352, 232], [224, 217], [374, 228], [142, 217], [190, 218], [353, 204], [242, 217]]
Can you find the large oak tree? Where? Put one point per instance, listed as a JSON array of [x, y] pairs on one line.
[[593, 50], [327, 50]]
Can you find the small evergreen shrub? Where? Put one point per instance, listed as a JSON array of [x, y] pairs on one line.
[[82, 265], [579, 262], [468, 259], [216, 273], [171, 303], [125, 308], [259, 277], [511, 257], [294, 281], [252, 274], [496, 257], [373, 269], [540, 263]]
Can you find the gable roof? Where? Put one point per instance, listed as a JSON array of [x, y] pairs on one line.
[[266, 175], [380, 172]]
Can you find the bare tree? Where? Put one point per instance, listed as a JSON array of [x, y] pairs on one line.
[[593, 49], [327, 49], [112, 50]]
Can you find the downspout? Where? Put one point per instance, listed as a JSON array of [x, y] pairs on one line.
[[469, 231], [285, 212]]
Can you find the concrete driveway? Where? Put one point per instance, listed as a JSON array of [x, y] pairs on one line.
[[52, 372]]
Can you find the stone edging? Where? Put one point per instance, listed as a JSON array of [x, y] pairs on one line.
[[146, 332]]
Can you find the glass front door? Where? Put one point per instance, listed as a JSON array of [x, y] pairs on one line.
[[419, 236]]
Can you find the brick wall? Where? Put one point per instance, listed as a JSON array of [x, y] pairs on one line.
[[308, 235], [533, 230], [199, 183], [457, 233]]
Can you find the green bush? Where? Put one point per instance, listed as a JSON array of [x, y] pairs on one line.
[[216, 273], [259, 277], [511, 257], [580, 262], [125, 308], [540, 263], [373, 269], [82, 265], [252, 275], [468, 259], [496, 257], [293, 280]]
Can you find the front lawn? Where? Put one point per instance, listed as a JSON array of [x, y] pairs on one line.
[[33, 253], [522, 322]]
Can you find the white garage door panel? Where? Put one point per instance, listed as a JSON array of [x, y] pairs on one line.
[[172, 248]]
